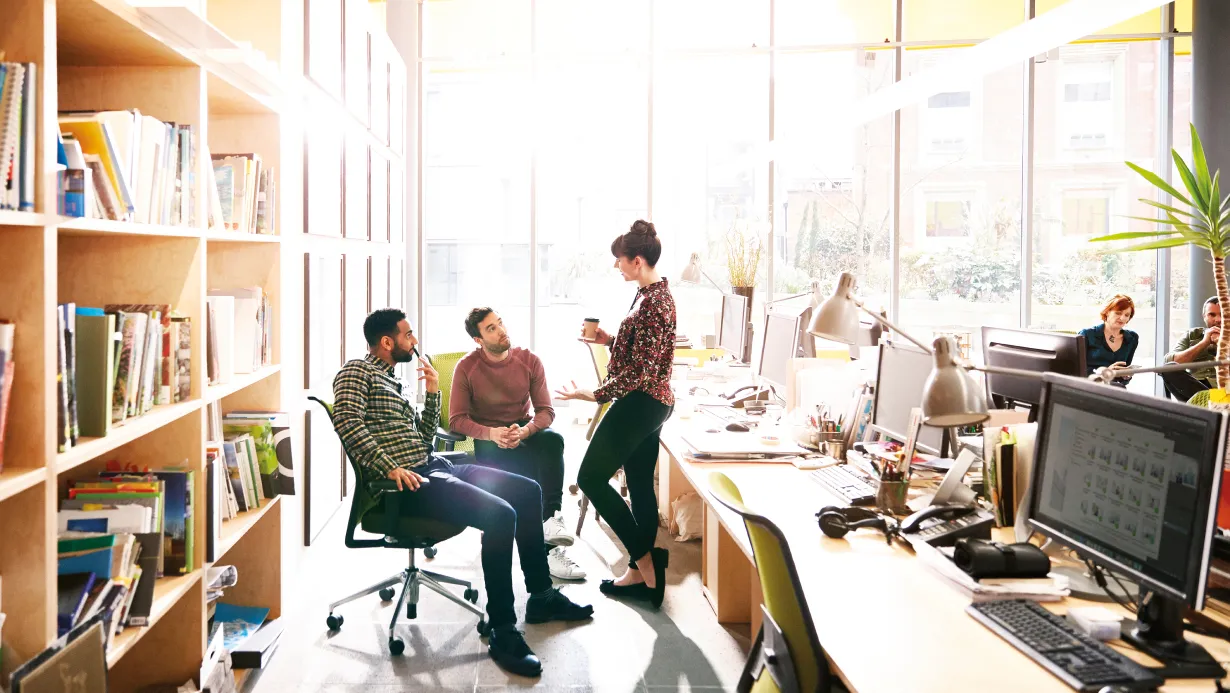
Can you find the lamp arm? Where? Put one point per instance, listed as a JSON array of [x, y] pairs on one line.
[[787, 298], [884, 321], [717, 286], [997, 370], [1108, 374]]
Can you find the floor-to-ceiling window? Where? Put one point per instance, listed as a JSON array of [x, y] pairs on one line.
[[549, 126]]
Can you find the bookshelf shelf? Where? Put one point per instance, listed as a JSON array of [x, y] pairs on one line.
[[108, 33], [106, 227], [11, 218], [167, 591], [238, 237], [225, 98], [87, 449], [234, 530], [14, 480], [214, 393]]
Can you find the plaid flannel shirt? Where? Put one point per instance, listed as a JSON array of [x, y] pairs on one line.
[[378, 425]]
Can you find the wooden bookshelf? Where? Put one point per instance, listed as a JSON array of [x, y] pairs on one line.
[[104, 55]]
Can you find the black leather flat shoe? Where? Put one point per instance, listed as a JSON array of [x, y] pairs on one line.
[[637, 591], [661, 558]]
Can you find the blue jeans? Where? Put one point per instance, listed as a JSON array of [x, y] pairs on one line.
[[505, 508]]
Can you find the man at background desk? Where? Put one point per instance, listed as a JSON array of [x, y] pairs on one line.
[[1199, 344]]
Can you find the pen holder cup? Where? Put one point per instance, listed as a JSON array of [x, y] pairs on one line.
[[890, 497], [835, 449]]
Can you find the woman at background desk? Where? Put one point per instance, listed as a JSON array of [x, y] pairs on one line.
[[638, 384], [1109, 343]]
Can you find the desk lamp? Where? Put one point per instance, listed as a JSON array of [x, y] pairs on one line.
[[692, 273]]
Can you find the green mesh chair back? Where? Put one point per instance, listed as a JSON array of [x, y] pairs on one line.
[[445, 364], [783, 599]]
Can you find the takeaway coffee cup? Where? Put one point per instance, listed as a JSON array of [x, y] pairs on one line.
[[591, 328]]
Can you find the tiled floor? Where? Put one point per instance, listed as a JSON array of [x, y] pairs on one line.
[[624, 648]]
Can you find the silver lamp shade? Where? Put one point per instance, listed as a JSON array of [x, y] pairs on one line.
[[691, 273], [951, 397], [836, 319]]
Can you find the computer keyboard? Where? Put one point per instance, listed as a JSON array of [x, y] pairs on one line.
[[847, 484], [1080, 661]]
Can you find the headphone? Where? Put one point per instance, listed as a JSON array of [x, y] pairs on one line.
[[836, 522]]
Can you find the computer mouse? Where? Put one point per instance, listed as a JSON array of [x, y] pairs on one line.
[[736, 426], [1115, 689]]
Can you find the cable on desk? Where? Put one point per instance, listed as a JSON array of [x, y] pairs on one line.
[[1099, 576]]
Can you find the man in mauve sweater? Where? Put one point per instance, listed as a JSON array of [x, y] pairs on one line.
[[493, 389]]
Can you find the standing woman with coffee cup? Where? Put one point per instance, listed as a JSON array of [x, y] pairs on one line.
[[638, 384]]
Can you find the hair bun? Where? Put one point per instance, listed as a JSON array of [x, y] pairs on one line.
[[641, 227]]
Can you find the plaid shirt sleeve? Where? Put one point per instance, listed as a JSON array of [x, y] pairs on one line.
[[430, 419], [350, 402]]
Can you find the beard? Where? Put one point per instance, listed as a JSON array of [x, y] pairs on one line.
[[401, 355], [499, 347]]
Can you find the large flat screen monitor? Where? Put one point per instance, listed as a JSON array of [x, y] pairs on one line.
[[899, 388], [734, 325], [781, 332], [1129, 482], [1028, 350]]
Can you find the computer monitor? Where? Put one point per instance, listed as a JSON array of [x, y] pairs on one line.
[[1028, 350], [733, 335], [1129, 482], [899, 389], [781, 332]]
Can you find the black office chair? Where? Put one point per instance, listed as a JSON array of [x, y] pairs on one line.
[[383, 516]]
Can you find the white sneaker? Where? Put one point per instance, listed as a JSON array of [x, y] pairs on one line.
[[562, 567], [554, 532]]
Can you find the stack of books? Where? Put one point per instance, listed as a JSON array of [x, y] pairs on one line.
[[125, 166], [243, 194], [117, 362], [18, 82], [118, 533], [239, 333]]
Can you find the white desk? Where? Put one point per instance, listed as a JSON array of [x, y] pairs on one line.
[[887, 623]]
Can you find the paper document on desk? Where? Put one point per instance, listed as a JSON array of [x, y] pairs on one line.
[[736, 445], [1049, 589]]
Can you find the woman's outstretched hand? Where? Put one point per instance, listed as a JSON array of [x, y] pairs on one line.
[[571, 391]]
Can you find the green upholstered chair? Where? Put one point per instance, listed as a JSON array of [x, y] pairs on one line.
[[382, 516], [787, 655], [445, 364]]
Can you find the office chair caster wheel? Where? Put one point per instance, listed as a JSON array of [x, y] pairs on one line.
[[430, 552], [386, 594], [412, 611], [334, 622], [471, 595], [484, 628], [573, 488], [396, 646]]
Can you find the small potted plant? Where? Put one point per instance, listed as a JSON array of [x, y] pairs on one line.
[[743, 245]]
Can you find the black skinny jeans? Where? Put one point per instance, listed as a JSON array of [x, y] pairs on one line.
[[627, 437], [539, 457], [493, 502]]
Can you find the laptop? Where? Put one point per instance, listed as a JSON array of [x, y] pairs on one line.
[[731, 445]]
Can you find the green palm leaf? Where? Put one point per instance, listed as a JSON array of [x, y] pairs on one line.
[[1159, 183], [1199, 201], [1155, 245]]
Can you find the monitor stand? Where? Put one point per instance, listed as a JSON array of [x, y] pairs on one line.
[[1158, 632], [1082, 585]]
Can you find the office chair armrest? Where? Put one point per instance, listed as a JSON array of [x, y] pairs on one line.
[[454, 456], [444, 434], [384, 485]]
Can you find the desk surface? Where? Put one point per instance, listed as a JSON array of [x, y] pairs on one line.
[[868, 598]]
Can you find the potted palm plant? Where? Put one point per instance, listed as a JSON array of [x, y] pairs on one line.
[[1205, 224]]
